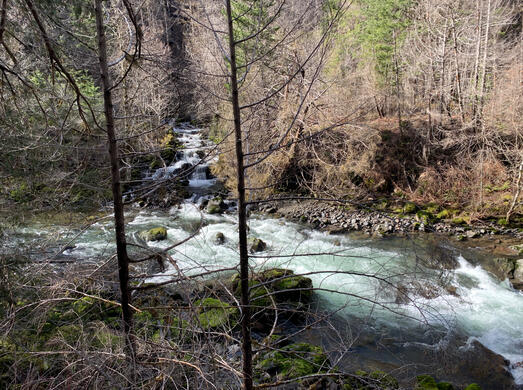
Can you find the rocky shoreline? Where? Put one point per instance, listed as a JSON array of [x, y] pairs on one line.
[[332, 217]]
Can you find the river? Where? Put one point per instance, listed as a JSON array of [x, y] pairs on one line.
[[395, 309]]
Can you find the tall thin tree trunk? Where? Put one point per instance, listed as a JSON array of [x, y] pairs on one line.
[[475, 79], [443, 73], [458, 73], [242, 213], [397, 71], [119, 222], [479, 114], [483, 84]]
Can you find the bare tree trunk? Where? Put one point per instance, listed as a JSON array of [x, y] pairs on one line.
[[479, 114], [483, 84], [458, 73], [443, 73], [242, 213], [475, 79], [397, 71], [518, 191], [119, 222]]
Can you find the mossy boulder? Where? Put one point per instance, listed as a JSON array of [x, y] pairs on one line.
[[215, 314], [293, 288], [290, 362], [169, 144], [215, 206], [473, 386], [426, 382], [155, 234], [256, 245], [281, 282]]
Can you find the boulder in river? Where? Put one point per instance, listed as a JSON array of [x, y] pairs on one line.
[[256, 245], [483, 365], [517, 279], [219, 238], [215, 206], [155, 234]]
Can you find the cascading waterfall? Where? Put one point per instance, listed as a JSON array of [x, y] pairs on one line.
[[480, 308]]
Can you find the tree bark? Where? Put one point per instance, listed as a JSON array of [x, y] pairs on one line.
[[242, 212], [475, 79], [458, 73], [119, 221]]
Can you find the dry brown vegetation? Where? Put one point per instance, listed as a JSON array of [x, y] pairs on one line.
[[444, 124]]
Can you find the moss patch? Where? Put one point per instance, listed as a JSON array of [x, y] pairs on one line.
[[409, 208], [291, 361], [213, 314]]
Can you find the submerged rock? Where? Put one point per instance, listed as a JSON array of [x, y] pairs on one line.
[[155, 234]]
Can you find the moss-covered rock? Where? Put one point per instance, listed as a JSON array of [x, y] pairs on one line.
[[282, 283], [170, 144], [155, 234], [256, 245], [293, 288], [215, 314], [290, 362], [215, 206], [473, 386], [219, 238], [426, 382], [444, 214]]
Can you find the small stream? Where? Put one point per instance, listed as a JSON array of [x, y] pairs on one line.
[[381, 325]]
